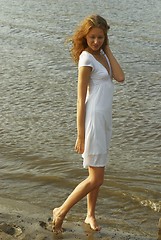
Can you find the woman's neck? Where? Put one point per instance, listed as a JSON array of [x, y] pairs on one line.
[[96, 53]]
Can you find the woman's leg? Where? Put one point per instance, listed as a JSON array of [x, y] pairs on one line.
[[91, 205], [94, 180]]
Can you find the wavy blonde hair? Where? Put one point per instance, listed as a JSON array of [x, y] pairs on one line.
[[78, 39]]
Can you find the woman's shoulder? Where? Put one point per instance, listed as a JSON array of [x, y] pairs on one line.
[[85, 59], [85, 54]]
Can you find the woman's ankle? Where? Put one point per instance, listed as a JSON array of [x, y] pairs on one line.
[[90, 215], [91, 220], [58, 212]]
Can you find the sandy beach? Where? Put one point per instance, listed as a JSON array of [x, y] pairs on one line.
[[23, 221]]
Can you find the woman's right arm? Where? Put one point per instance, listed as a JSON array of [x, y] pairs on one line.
[[117, 71], [83, 82]]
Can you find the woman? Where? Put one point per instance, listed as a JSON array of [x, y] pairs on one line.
[[97, 67]]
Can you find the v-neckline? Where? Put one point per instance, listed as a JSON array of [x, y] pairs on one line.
[[109, 72]]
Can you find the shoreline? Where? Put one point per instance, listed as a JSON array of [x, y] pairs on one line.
[[22, 221]]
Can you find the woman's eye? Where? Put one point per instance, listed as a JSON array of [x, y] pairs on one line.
[[100, 37], [93, 37]]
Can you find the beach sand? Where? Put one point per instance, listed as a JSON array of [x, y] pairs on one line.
[[23, 221]]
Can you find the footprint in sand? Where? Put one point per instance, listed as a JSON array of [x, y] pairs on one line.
[[46, 226], [12, 230]]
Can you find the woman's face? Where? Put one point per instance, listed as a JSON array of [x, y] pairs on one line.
[[95, 38]]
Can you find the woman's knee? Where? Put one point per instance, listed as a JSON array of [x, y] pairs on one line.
[[96, 182], [96, 176]]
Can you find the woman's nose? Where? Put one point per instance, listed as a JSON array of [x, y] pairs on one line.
[[95, 40]]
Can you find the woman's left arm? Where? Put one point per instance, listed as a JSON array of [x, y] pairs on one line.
[[117, 71]]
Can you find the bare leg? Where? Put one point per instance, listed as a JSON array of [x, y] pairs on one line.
[[94, 180], [91, 204]]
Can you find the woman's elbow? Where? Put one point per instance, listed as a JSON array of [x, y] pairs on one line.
[[120, 78]]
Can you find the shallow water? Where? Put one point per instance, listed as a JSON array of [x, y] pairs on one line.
[[38, 109]]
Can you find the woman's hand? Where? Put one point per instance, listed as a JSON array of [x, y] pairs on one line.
[[117, 72], [79, 145]]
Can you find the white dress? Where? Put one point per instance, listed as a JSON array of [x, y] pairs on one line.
[[98, 120]]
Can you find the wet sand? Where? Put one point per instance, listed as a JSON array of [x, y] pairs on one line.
[[23, 221]]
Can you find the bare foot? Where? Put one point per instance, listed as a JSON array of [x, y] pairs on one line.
[[57, 221], [93, 223]]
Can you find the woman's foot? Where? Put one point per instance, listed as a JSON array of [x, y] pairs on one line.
[[93, 223], [57, 221]]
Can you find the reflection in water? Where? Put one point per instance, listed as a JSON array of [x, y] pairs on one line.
[[58, 236], [92, 235], [159, 231], [159, 235]]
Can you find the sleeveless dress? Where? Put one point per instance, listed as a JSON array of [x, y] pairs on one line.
[[98, 119]]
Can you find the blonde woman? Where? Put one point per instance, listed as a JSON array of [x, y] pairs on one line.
[[97, 67]]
